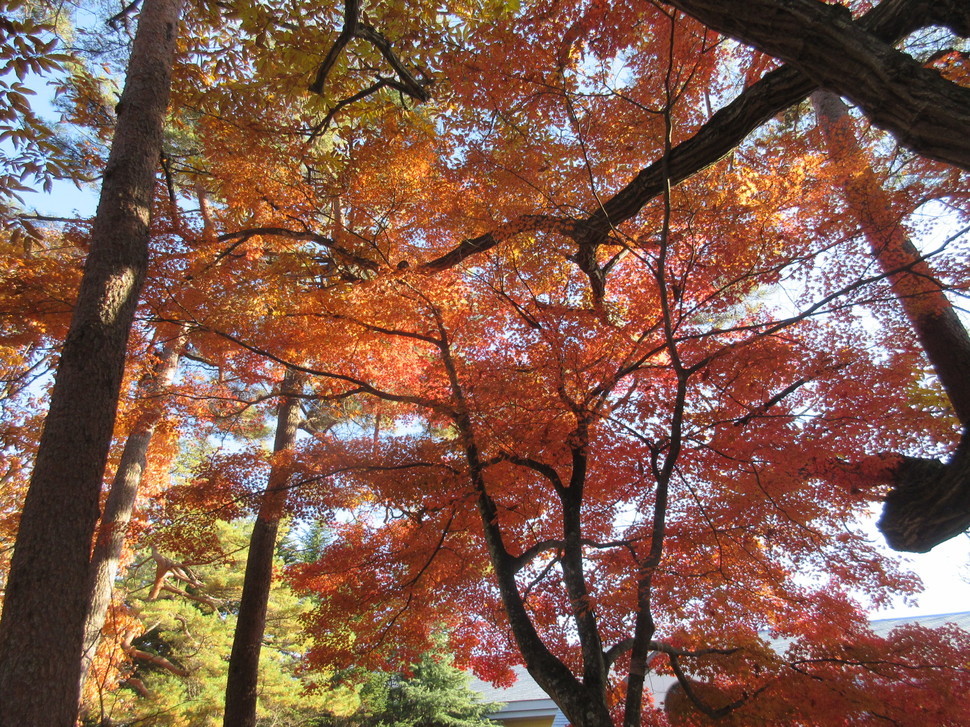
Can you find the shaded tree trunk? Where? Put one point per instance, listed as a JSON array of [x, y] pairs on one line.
[[929, 503], [113, 529], [931, 500], [583, 702], [241, 687], [41, 630]]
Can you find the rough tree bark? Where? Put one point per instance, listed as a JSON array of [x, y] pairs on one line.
[[930, 501], [42, 626], [922, 109], [118, 508], [241, 687]]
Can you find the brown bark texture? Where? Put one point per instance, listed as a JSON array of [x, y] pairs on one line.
[[762, 100], [243, 681], [41, 630], [930, 502], [922, 109], [123, 493]]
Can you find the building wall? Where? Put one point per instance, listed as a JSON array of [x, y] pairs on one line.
[[528, 722]]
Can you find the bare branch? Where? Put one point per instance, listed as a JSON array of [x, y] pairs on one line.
[[242, 236], [353, 28], [347, 33]]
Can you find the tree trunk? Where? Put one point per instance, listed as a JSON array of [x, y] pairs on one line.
[[934, 321], [241, 687], [113, 529], [41, 630], [930, 502], [584, 705]]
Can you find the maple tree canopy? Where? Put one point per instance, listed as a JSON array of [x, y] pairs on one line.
[[602, 338]]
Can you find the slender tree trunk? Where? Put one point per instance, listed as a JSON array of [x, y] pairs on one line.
[[935, 322], [113, 529], [931, 500], [583, 706], [41, 630], [241, 687]]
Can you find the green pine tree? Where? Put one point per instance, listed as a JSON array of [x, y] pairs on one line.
[[436, 694], [186, 639]]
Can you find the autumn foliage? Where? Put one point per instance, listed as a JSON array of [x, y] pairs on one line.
[[606, 342]]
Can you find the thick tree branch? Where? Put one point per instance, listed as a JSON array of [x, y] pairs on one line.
[[242, 236], [483, 243], [160, 661], [923, 110], [716, 138], [929, 503], [204, 599], [616, 651], [688, 686], [547, 471], [409, 84], [163, 567], [347, 33]]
